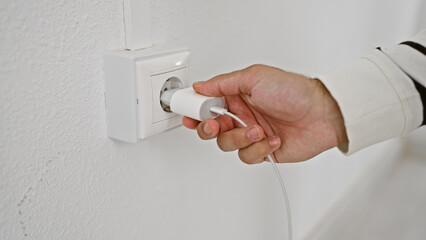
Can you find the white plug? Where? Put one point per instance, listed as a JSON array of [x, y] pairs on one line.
[[191, 104]]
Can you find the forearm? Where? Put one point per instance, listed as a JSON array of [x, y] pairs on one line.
[[377, 96]]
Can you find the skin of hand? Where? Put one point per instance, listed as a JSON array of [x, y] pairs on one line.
[[290, 116]]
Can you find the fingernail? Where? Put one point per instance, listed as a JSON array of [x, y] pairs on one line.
[[253, 133], [198, 83], [274, 141], [206, 129]]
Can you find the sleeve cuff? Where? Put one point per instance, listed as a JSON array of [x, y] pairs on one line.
[[377, 100]]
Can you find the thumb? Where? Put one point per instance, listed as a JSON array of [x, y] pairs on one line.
[[234, 83]]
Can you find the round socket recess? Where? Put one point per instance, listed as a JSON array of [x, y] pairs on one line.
[[171, 83], [172, 79]]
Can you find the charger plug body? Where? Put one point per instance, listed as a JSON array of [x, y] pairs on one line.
[[188, 103]]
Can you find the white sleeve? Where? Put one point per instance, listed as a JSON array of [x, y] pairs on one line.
[[377, 96]]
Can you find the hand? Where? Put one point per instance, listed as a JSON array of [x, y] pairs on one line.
[[289, 115]]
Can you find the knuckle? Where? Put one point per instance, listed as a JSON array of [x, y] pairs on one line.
[[255, 67], [243, 157], [221, 143], [231, 140], [227, 142], [254, 72], [264, 148], [255, 153]]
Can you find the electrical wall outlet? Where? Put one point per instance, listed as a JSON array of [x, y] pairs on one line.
[[134, 81]]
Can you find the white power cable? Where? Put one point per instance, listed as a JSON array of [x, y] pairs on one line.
[[203, 107], [222, 111]]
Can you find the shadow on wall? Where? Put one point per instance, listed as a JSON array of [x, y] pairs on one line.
[[391, 206]]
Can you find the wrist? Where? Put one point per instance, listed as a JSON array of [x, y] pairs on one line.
[[332, 114]]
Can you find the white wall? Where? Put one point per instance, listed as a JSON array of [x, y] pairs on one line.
[[62, 178]]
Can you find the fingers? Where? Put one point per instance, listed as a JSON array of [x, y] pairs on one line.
[[208, 129], [251, 141], [231, 83], [190, 123], [225, 124], [239, 138], [256, 152]]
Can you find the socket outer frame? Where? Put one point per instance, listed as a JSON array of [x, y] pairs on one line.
[[129, 93]]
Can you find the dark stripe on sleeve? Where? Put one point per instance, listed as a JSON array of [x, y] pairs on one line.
[[422, 91], [416, 46], [420, 88]]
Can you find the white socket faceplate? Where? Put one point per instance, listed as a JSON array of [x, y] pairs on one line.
[[133, 82]]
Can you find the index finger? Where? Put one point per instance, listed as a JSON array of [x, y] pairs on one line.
[[233, 83]]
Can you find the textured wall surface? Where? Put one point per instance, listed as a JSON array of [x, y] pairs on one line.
[[62, 178]]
